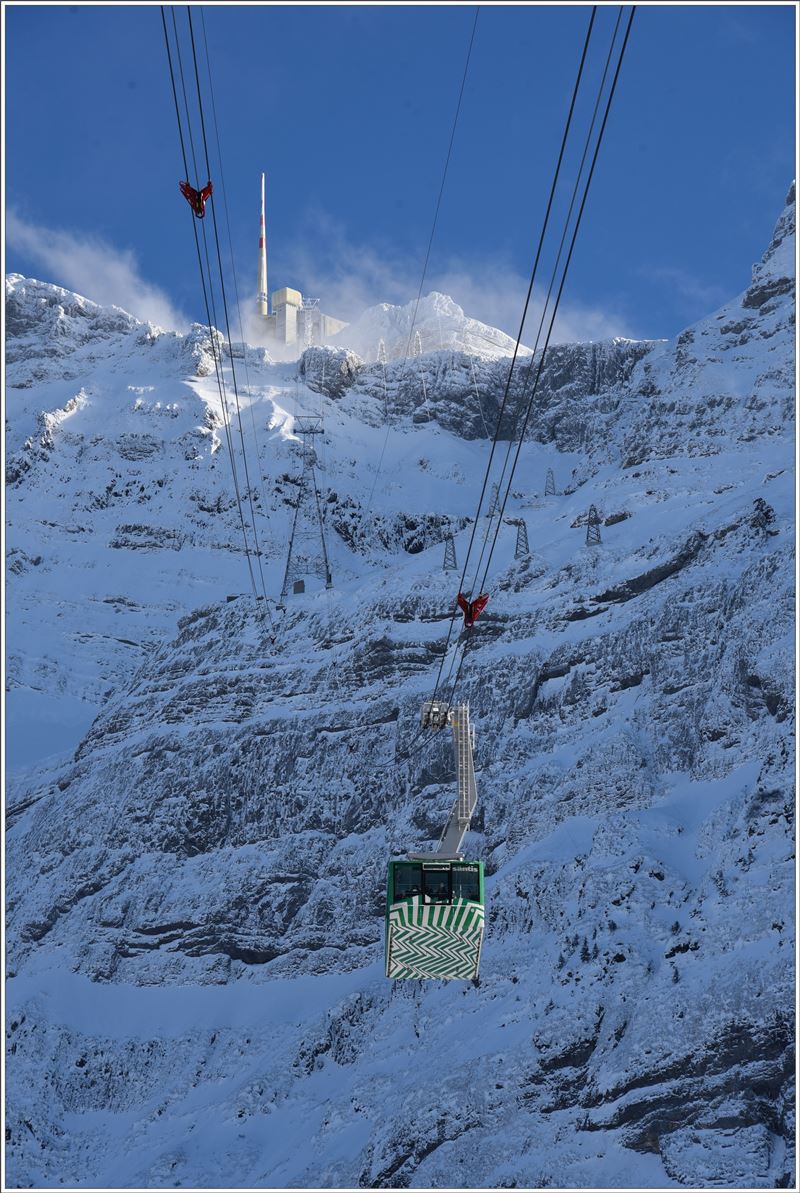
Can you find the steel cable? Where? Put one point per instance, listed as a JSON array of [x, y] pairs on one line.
[[233, 271], [561, 285], [553, 275], [410, 751], [225, 310], [506, 391], [555, 308], [217, 368]]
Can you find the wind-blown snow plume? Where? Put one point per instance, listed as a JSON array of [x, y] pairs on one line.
[[94, 268], [349, 278]]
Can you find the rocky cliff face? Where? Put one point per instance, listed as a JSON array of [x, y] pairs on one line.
[[195, 893]]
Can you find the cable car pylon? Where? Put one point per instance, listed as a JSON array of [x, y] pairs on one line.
[[449, 564], [593, 527], [522, 550], [380, 358], [308, 553], [494, 501]]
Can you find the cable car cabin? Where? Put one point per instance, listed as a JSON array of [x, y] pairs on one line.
[[434, 919]]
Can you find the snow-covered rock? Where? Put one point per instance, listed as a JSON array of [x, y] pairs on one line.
[[195, 892], [433, 324]]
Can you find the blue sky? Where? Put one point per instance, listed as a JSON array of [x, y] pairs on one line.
[[348, 109]]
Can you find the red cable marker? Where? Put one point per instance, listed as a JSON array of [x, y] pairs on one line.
[[196, 199], [472, 609]]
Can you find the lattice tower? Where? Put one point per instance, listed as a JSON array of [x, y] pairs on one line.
[[381, 360], [449, 564], [308, 553], [494, 501], [522, 550], [593, 526]]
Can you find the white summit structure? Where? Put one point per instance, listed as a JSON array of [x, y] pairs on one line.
[[294, 320]]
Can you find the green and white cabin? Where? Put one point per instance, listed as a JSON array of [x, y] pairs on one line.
[[435, 901], [434, 919]]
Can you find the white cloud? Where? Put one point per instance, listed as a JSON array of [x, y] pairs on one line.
[[92, 268], [348, 278], [496, 296], [693, 293]]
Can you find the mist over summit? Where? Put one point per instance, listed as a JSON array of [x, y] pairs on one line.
[[435, 323]]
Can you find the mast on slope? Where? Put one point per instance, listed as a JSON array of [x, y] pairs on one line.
[[592, 527], [308, 553], [381, 360], [522, 550], [450, 564], [494, 501]]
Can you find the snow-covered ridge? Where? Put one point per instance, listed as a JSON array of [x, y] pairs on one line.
[[195, 890], [777, 267], [436, 323]]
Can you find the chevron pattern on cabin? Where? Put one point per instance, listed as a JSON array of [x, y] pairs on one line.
[[434, 940]]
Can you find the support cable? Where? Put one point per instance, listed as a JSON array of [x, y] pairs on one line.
[[557, 302], [563, 276], [506, 391], [500, 510], [197, 177], [185, 97], [441, 187], [205, 239], [475, 389], [233, 272], [217, 362], [411, 750], [208, 311], [225, 309], [512, 438]]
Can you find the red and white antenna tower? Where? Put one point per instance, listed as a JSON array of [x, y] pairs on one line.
[[263, 297]]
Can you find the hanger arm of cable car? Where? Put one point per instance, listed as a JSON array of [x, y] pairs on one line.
[[435, 715]]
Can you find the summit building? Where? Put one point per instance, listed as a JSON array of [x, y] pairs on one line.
[[293, 320]]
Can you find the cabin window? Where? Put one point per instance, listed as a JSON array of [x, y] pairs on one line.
[[437, 886], [466, 884], [407, 882]]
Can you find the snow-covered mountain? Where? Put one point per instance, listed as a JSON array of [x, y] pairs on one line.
[[196, 887], [434, 323]]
